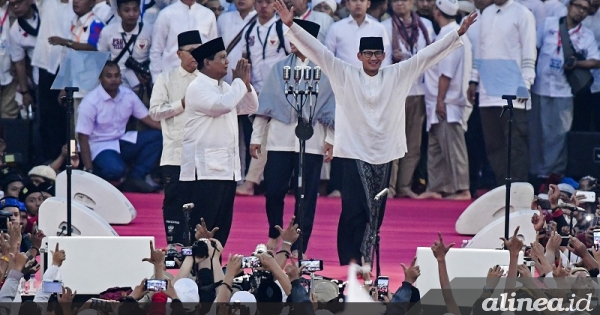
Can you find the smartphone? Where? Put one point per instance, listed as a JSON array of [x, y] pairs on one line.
[[186, 251], [312, 265], [596, 238], [12, 158], [156, 285], [565, 241], [251, 262], [73, 147], [52, 287], [589, 196], [383, 284]]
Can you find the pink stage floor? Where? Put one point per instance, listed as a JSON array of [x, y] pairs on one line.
[[408, 224]]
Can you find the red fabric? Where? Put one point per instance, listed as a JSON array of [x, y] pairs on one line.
[[408, 224], [160, 297], [31, 221], [158, 306]]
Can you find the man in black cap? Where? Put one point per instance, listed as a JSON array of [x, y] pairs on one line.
[[275, 114], [210, 156], [370, 126], [167, 105]]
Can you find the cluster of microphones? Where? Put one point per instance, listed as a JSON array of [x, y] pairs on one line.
[[315, 73]]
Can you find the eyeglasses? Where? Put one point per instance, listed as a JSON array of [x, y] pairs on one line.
[[369, 54], [581, 7]]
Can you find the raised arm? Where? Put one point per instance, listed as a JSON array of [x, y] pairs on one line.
[[311, 47]]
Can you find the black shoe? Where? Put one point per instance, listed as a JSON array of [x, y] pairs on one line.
[[136, 185]]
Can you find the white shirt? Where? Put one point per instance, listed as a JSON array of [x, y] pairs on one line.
[[211, 135], [5, 75], [550, 78], [263, 38], [173, 20], [457, 67], [370, 115], [346, 47], [166, 107], [104, 119], [592, 22], [113, 39], [473, 32], [23, 44], [418, 87], [103, 11], [538, 9], [555, 8], [324, 20], [507, 32], [230, 24], [56, 21], [282, 137]]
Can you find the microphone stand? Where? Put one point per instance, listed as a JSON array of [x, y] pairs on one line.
[[509, 99], [70, 112], [375, 234], [304, 130]]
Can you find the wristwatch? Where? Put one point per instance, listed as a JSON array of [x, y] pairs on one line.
[[489, 289], [69, 43], [368, 282]]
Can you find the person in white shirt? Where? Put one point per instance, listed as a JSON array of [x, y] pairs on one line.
[[167, 105], [231, 27], [555, 8], [106, 147], [210, 160], [9, 109], [538, 9], [56, 17], [514, 41], [303, 12], [181, 16], [275, 114], [23, 36], [586, 115], [408, 33], [264, 45], [103, 11], [344, 47], [129, 41], [552, 99], [446, 84], [368, 116], [328, 7]]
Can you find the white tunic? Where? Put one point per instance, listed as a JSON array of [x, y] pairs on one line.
[[538, 9], [457, 67], [507, 32], [166, 107], [230, 24], [56, 21], [23, 44], [550, 79], [346, 47], [114, 39], [418, 87], [173, 20], [210, 137], [282, 136], [370, 115]]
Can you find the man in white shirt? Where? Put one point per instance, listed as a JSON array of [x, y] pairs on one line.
[[303, 12], [276, 115], [538, 9], [515, 40], [368, 115], [231, 27], [129, 39], [23, 36], [210, 159], [181, 16], [445, 97], [57, 16], [555, 8], [408, 33], [552, 98], [106, 147], [167, 105]]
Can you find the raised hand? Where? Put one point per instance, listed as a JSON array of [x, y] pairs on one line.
[[290, 234], [58, 256], [439, 249], [493, 276], [538, 220], [514, 244], [286, 16], [467, 23], [203, 232], [234, 265], [412, 272], [67, 295], [157, 256]]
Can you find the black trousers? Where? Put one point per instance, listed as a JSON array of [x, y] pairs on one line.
[[52, 117], [586, 112], [478, 161], [278, 171], [213, 201], [175, 197], [358, 191]]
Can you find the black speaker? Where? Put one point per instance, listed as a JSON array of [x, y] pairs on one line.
[[17, 135], [584, 154]]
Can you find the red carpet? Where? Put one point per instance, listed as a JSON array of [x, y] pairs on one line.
[[408, 224]]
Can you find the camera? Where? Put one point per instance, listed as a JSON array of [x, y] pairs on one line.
[[141, 68], [5, 216], [170, 258]]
